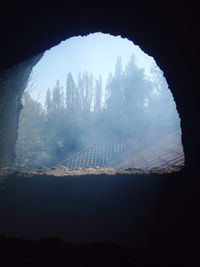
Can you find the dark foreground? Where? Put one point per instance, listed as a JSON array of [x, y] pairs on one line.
[[54, 252], [110, 219]]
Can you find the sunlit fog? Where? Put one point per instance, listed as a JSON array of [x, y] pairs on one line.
[[98, 101]]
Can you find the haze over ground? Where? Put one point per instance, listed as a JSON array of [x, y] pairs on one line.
[[78, 112]]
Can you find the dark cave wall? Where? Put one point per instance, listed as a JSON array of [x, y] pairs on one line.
[[12, 84], [169, 34]]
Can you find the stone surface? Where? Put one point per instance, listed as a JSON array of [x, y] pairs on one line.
[[12, 84]]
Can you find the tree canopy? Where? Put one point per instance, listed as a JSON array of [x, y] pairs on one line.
[[130, 106]]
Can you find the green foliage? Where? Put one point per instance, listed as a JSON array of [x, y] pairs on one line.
[[126, 102], [139, 107], [130, 106], [30, 147]]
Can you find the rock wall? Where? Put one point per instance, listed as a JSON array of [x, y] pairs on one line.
[[12, 84], [167, 33]]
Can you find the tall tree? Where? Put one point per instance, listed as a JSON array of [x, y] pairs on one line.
[[48, 101], [86, 89], [136, 89], [71, 93], [126, 102], [98, 95], [115, 87], [57, 97], [162, 111], [30, 147]]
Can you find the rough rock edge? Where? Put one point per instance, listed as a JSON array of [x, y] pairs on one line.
[[62, 171]]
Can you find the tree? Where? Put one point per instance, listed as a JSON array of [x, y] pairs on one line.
[[30, 147], [57, 97], [98, 95], [48, 102], [162, 111], [114, 101], [115, 87], [135, 92], [85, 91], [126, 102], [70, 93]]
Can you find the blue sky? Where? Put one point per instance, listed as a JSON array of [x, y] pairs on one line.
[[95, 53]]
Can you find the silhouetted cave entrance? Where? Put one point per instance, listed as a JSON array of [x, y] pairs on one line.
[[98, 101]]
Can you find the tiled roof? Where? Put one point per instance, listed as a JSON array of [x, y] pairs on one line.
[[164, 153], [98, 154], [130, 153]]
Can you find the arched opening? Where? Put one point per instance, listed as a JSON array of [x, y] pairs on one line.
[[108, 106], [110, 208]]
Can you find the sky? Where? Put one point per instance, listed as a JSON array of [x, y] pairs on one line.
[[96, 53]]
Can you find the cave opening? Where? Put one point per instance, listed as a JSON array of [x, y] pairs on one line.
[[98, 101]]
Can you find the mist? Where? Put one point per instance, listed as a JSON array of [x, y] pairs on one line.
[[104, 108]]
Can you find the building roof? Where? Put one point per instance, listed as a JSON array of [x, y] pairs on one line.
[[130, 153], [165, 153]]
